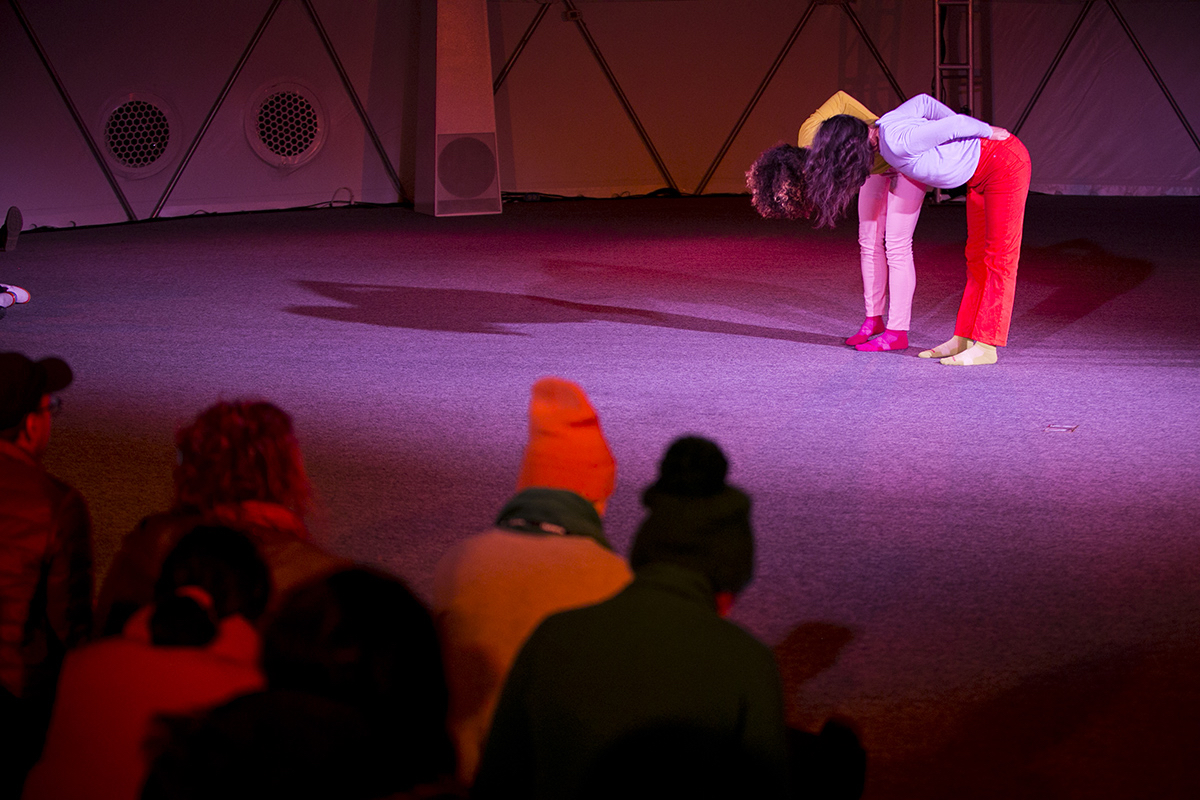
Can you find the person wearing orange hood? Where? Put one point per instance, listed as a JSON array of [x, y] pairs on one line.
[[546, 553]]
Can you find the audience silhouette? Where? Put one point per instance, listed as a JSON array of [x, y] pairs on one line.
[[240, 660], [655, 660], [195, 647], [239, 466], [355, 705]]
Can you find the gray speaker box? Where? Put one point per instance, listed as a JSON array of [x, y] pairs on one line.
[[457, 169]]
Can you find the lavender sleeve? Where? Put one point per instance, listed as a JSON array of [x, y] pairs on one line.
[[927, 141], [941, 125], [923, 106]]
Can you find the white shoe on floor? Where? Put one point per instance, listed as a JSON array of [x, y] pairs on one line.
[[17, 292]]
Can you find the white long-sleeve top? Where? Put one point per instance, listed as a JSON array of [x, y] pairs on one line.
[[928, 142]]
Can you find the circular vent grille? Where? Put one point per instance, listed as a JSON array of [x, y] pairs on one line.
[[137, 134], [287, 124]]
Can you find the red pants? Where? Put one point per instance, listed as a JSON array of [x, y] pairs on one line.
[[995, 217]]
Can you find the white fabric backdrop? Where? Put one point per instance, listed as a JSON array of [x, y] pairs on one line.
[[688, 68]]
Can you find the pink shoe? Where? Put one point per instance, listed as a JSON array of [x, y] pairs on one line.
[[888, 340], [870, 327]]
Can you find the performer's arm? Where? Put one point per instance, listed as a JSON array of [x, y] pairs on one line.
[[941, 125], [924, 107], [840, 103]]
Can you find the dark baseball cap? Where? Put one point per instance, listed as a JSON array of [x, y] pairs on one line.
[[23, 382]]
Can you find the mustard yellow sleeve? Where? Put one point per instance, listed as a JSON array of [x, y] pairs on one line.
[[840, 103]]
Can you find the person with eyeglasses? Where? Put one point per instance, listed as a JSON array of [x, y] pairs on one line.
[[45, 562]]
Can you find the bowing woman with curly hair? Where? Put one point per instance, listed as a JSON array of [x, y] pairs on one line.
[[889, 205], [926, 141], [239, 466]]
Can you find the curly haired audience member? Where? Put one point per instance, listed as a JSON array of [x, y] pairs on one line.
[[239, 466]]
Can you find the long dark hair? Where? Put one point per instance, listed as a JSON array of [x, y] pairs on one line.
[[776, 183], [839, 162]]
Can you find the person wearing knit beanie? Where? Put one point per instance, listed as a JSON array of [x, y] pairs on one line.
[[566, 448], [696, 520], [650, 690]]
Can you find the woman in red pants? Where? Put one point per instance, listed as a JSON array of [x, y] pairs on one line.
[[926, 141]]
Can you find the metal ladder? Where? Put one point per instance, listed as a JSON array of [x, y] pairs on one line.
[[954, 59]]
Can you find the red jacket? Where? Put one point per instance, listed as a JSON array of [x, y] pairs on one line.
[[45, 572], [111, 693]]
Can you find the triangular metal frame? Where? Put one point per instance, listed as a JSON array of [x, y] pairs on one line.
[[779, 59], [574, 15], [73, 109], [326, 42], [1162, 85]]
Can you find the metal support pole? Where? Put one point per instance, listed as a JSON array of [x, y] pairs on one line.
[[358, 106], [1053, 66], [212, 112], [512, 59], [66, 98], [874, 51], [1158, 79], [762, 87], [577, 18]]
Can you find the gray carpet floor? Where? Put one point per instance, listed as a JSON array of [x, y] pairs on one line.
[[993, 572]]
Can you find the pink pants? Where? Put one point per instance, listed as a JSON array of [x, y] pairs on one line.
[[888, 208], [995, 218]]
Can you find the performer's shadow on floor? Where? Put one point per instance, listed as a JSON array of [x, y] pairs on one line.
[[1084, 277], [476, 311]]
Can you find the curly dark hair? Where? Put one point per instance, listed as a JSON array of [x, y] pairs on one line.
[[776, 183], [238, 451], [838, 164]]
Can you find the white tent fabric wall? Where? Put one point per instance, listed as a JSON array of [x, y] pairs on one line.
[[688, 69], [1102, 125], [180, 55]]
